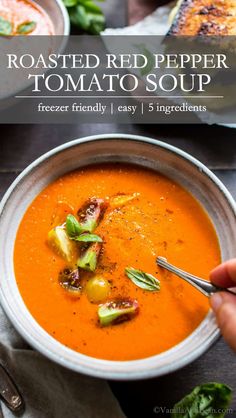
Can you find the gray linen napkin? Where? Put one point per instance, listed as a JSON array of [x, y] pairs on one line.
[[49, 390]]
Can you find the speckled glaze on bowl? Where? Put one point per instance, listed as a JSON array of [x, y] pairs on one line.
[[172, 162]]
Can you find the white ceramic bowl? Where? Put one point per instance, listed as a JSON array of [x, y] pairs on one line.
[[12, 85], [58, 14], [174, 163]]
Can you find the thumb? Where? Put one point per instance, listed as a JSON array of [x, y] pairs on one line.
[[224, 307]]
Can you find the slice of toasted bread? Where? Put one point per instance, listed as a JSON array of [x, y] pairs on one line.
[[204, 17]]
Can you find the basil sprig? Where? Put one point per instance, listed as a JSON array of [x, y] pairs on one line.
[[26, 28], [207, 400], [88, 238], [86, 15], [76, 231], [6, 27], [73, 227], [143, 280]]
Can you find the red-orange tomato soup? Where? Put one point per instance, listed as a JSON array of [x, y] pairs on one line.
[[20, 12], [163, 219]]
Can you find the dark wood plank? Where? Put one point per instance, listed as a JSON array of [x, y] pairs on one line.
[[138, 9], [5, 181], [228, 177], [20, 144]]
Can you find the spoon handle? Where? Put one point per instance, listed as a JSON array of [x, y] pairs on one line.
[[203, 286], [9, 392]]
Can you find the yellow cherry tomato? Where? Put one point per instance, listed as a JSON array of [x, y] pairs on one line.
[[97, 289]]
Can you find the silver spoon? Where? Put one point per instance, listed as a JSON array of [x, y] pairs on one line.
[[9, 393], [203, 286]]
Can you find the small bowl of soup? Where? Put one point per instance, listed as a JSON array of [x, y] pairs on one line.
[[81, 229], [33, 17], [47, 25]]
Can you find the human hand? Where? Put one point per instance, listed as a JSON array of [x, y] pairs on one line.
[[224, 304]]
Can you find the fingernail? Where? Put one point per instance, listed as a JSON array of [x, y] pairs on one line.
[[216, 301]]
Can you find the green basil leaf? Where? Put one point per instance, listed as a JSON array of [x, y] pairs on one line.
[[86, 15], [210, 400], [70, 3], [143, 280], [26, 28], [88, 1], [73, 227], [90, 6], [78, 17], [84, 2], [6, 27], [88, 238], [97, 24]]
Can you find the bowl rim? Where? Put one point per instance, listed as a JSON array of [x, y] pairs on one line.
[[96, 369], [65, 16]]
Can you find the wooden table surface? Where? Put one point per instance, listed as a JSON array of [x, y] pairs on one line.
[[215, 146]]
